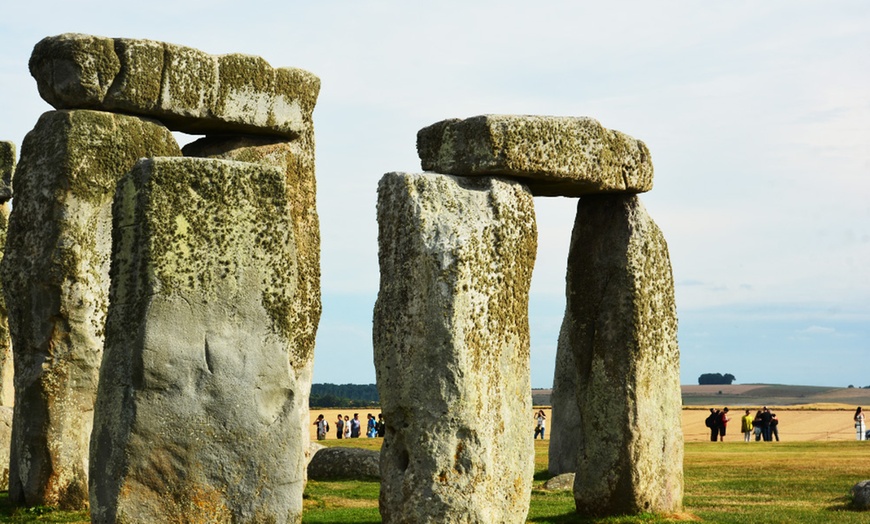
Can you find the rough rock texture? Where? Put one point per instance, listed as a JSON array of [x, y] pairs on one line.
[[562, 455], [7, 169], [451, 344], [621, 324], [55, 276], [554, 156], [345, 463], [7, 365], [313, 449], [201, 389], [187, 89], [561, 482], [861, 495], [5, 442]]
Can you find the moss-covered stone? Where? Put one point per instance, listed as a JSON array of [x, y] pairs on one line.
[[621, 328], [7, 386], [296, 160], [74, 71], [55, 276], [554, 156], [201, 388], [187, 89], [451, 343]]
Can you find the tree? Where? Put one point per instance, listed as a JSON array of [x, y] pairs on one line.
[[716, 378]]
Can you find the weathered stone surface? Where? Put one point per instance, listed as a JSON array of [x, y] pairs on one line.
[[187, 89], [7, 169], [55, 276], [345, 463], [561, 482], [621, 324], [7, 364], [861, 495], [562, 455], [554, 156], [451, 344], [198, 412], [313, 448], [5, 442]]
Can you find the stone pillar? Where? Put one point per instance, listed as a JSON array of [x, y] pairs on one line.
[[55, 276], [204, 374], [562, 453], [621, 325], [7, 389], [451, 344]]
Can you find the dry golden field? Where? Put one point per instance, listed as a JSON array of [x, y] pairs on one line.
[[804, 423]]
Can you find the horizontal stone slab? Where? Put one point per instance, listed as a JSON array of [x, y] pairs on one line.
[[554, 156], [187, 89]]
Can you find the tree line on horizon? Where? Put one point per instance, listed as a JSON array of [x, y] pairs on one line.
[[716, 378], [343, 395]]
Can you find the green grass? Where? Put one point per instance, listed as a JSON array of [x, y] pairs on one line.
[[730, 483]]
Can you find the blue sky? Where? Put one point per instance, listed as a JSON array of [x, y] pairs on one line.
[[757, 115]]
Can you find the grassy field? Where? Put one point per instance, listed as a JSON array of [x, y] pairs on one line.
[[790, 482]]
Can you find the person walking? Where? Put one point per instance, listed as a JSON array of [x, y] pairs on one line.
[[712, 422], [859, 424], [381, 425], [774, 423], [354, 426], [322, 427], [765, 424], [346, 426], [339, 427], [540, 424], [371, 427], [746, 426], [723, 423]]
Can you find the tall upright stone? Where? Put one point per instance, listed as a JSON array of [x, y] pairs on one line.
[[621, 325], [7, 389], [451, 345], [204, 375], [55, 277], [565, 414]]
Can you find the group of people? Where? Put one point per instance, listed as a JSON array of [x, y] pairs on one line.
[[351, 427], [764, 425]]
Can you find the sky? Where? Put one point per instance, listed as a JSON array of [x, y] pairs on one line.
[[757, 116]]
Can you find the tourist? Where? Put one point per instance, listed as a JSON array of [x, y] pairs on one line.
[[756, 425], [354, 426], [540, 424], [322, 427], [746, 426], [712, 422], [774, 422], [859, 424], [765, 424], [723, 423], [339, 427], [346, 426], [371, 428], [382, 426]]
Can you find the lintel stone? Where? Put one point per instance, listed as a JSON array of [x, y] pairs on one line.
[[554, 156], [187, 89]]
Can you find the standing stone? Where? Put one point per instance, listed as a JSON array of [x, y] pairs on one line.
[[186, 89], [197, 416], [7, 389], [451, 345], [55, 276], [562, 449], [621, 325], [554, 156]]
